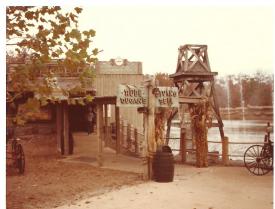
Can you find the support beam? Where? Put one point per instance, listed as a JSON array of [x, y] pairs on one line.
[[118, 138], [106, 139], [152, 145], [225, 158], [99, 121], [217, 111], [144, 153], [66, 128], [59, 127], [183, 145], [168, 124]]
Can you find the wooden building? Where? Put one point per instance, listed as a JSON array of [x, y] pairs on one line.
[[67, 113], [109, 74]]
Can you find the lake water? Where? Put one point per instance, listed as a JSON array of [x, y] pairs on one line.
[[252, 131]]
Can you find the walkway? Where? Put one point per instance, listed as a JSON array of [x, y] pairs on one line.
[[192, 188], [215, 187], [85, 151]]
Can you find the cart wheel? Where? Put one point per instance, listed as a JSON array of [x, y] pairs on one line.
[[267, 153], [257, 160], [20, 159]]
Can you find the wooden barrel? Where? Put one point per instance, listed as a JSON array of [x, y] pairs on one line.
[[163, 165]]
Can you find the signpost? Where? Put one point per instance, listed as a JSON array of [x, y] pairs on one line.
[[148, 97]]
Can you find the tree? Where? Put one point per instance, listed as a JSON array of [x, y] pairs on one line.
[[164, 80], [38, 35], [254, 89]]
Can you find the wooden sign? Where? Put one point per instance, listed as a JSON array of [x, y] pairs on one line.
[[166, 97], [131, 96]]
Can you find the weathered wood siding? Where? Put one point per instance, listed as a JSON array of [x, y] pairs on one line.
[[109, 76]]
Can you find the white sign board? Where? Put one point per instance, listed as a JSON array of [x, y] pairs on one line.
[[131, 96], [166, 97]]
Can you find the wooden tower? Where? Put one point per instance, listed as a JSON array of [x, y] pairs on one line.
[[196, 82]]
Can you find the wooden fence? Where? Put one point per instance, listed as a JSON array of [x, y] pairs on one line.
[[130, 138], [185, 148]]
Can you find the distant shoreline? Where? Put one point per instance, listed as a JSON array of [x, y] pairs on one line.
[[247, 113]]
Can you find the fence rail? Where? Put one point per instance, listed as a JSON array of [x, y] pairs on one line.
[[130, 138], [183, 146]]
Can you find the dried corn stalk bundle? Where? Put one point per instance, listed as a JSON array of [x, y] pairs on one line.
[[199, 116], [160, 119]]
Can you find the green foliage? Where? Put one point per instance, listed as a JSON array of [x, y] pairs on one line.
[[89, 98], [42, 34]]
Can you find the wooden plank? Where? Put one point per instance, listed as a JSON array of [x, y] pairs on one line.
[[179, 64], [106, 124], [105, 100], [213, 124], [151, 120], [198, 59], [152, 146], [59, 127], [204, 65], [189, 100], [144, 153], [192, 77], [185, 61], [169, 121], [136, 141], [207, 60], [118, 135], [217, 111], [99, 134], [128, 137], [182, 145], [66, 128], [193, 89], [195, 45], [225, 157], [192, 65]]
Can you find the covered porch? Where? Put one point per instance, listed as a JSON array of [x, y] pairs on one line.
[[79, 146]]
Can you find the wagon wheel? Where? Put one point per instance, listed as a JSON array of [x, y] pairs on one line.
[[267, 154], [257, 160], [20, 159]]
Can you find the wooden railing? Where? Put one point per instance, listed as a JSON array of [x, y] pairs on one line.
[[130, 138], [184, 149]]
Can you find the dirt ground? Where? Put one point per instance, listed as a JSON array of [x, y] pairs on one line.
[[49, 182], [214, 187]]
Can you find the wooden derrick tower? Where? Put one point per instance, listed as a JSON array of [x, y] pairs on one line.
[[196, 86]]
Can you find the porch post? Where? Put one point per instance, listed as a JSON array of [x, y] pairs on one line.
[[149, 145], [58, 121], [118, 139], [99, 126], [66, 128], [106, 139], [152, 145]]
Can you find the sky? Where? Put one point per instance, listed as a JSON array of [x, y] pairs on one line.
[[239, 37]]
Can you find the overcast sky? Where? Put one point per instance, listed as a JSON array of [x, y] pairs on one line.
[[239, 38]]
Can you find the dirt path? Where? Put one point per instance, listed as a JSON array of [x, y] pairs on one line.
[[193, 188], [49, 182]]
